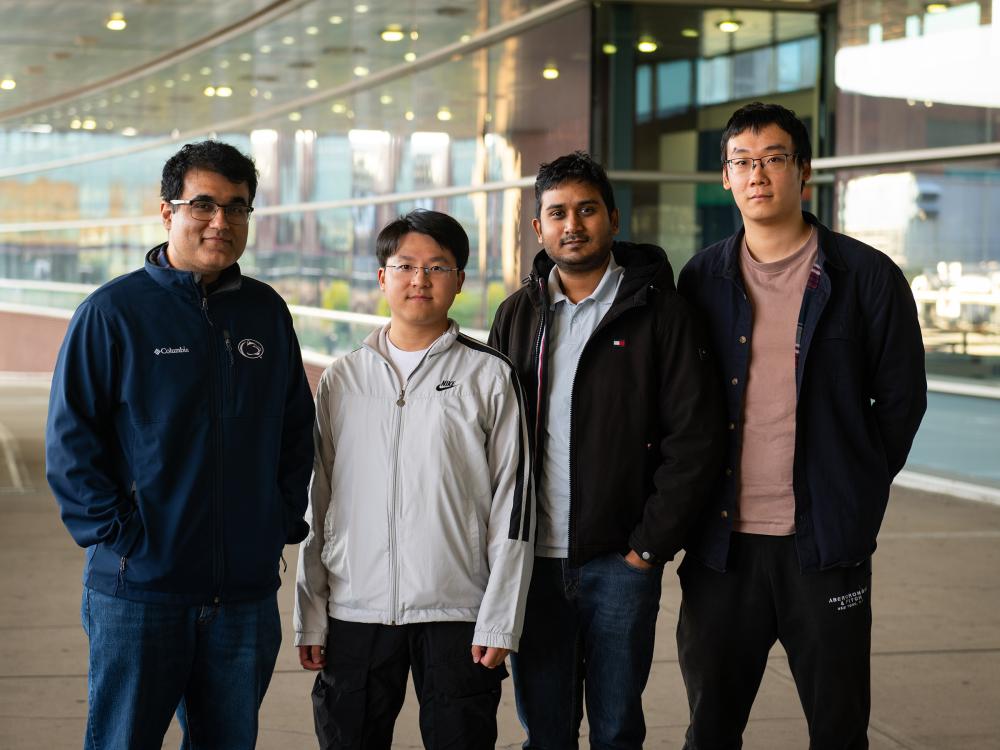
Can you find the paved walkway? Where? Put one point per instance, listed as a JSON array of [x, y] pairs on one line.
[[936, 641]]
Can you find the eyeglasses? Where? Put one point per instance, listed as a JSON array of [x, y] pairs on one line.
[[773, 163], [202, 210], [405, 269]]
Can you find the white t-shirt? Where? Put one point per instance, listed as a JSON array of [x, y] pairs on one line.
[[404, 362]]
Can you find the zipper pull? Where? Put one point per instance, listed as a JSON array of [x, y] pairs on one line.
[[204, 309], [121, 566], [402, 394], [229, 347]]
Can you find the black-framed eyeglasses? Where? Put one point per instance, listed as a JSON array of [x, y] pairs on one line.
[[772, 163], [203, 210], [406, 269]]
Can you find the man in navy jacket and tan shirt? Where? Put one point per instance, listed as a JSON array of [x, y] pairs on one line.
[[178, 446], [823, 365]]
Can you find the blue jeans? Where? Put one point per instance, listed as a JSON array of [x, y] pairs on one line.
[[588, 633], [211, 664]]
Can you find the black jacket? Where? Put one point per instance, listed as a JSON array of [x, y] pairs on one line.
[[861, 388], [646, 413]]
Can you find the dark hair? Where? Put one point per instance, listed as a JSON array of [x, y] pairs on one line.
[[575, 167], [213, 156], [756, 116], [440, 227]]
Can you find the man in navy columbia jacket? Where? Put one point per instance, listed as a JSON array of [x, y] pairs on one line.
[[179, 448], [823, 364]]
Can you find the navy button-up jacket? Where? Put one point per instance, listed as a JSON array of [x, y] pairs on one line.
[[861, 386]]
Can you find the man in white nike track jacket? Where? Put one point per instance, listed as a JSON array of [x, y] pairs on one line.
[[421, 513]]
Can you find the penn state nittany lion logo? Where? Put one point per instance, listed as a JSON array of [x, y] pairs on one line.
[[250, 349]]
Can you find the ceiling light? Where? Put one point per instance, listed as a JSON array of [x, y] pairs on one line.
[[267, 95], [361, 8], [550, 72], [312, 30], [223, 91], [89, 124], [209, 91], [729, 25], [167, 84], [312, 83], [109, 124], [350, 114], [385, 99], [608, 48], [936, 7], [338, 108], [409, 115], [205, 71], [288, 40], [8, 84], [150, 89], [186, 77], [116, 22], [414, 35], [254, 91], [39, 128], [76, 124], [392, 33], [294, 116], [928, 104], [246, 57], [410, 56], [646, 44], [360, 71], [133, 94], [129, 131], [335, 20], [464, 38], [690, 33], [265, 49], [444, 114]]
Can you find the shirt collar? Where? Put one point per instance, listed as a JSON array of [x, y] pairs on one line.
[[603, 294]]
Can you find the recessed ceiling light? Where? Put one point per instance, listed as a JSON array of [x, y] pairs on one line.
[[294, 116], [254, 91], [109, 124], [312, 83], [89, 124], [550, 72], [265, 49], [392, 33], [646, 44], [8, 84], [608, 48], [336, 20], [414, 35], [288, 40], [444, 114], [129, 132], [350, 114], [76, 124], [360, 71], [385, 99], [928, 104], [267, 95], [690, 33], [209, 91], [464, 38], [338, 108], [223, 91], [246, 57], [223, 64], [150, 89], [729, 25], [116, 22], [167, 84], [312, 30], [205, 71], [410, 56], [936, 7], [361, 8], [409, 115]]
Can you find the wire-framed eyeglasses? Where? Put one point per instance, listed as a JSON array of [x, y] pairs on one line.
[[407, 269], [772, 163]]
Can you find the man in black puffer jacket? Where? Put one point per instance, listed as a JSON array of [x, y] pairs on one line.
[[627, 419]]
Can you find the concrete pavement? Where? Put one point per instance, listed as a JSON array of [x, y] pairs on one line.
[[936, 639]]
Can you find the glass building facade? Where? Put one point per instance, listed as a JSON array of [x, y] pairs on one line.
[[355, 114]]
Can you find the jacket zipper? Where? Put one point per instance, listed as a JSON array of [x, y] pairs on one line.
[[217, 564], [230, 385]]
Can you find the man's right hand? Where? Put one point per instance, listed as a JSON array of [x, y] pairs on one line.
[[312, 657]]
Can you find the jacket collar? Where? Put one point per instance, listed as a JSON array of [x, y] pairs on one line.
[[378, 340], [727, 263], [187, 283], [645, 266]]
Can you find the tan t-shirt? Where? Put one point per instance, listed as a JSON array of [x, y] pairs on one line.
[[766, 502]]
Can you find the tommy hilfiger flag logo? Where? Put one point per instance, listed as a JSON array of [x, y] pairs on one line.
[[618, 342]]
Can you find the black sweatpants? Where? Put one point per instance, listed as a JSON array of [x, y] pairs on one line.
[[358, 695], [729, 621]]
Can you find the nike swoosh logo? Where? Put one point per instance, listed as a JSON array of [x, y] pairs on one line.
[[445, 386]]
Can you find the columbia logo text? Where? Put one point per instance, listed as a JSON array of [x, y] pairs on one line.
[[171, 350]]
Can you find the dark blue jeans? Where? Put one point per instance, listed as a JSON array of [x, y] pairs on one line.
[[210, 664], [588, 638]]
